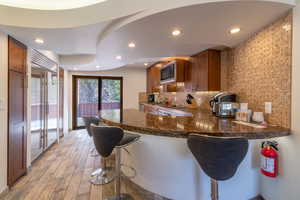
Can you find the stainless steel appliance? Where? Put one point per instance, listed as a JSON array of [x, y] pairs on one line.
[[227, 109], [168, 73], [219, 98], [152, 98]]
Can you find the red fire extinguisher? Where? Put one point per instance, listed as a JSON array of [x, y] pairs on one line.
[[269, 159]]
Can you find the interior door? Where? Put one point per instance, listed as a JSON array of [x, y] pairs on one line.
[[17, 137]]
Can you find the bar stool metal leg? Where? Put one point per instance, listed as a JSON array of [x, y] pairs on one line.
[[119, 195], [103, 175], [214, 189]]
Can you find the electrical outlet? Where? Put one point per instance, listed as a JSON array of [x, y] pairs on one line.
[[268, 107]]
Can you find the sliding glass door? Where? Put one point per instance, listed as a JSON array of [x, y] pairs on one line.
[[92, 94]]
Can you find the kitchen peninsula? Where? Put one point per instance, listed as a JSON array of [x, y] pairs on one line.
[[164, 163], [200, 122]]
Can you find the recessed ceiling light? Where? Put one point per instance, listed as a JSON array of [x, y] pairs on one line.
[[235, 30], [39, 40], [97, 66], [131, 45], [146, 64], [176, 32], [118, 57]]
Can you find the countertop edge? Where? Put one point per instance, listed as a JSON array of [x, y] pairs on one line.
[[184, 134]]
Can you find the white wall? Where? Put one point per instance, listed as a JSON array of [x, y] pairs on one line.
[[66, 100], [134, 81], [286, 187], [3, 110]]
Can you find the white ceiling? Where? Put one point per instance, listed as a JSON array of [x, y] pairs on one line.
[[49, 5], [204, 25]]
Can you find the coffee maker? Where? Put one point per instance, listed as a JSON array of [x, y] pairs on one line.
[[219, 98]]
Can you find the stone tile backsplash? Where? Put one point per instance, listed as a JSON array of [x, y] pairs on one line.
[[179, 98]]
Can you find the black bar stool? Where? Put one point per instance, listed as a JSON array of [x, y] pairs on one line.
[[107, 139], [103, 175], [219, 157]]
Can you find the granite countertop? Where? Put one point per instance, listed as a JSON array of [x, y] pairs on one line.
[[202, 122]]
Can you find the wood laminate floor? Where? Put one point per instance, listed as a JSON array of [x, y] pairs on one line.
[[63, 172]]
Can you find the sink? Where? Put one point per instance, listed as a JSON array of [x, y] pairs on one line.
[[171, 112]]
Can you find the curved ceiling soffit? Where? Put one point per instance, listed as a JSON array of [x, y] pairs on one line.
[[70, 18], [119, 23], [103, 11], [49, 5], [147, 13], [76, 60], [85, 60]]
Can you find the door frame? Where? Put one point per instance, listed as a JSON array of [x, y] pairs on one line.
[[74, 94]]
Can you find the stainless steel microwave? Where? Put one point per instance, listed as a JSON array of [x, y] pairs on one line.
[[168, 73]]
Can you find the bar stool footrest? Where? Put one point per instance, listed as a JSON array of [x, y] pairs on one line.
[[106, 176]]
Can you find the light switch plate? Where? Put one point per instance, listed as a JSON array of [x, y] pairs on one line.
[[268, 107]]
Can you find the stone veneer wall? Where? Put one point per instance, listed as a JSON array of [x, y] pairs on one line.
[[259, 70]]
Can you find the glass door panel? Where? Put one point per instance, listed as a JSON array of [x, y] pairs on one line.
[[110, 94], [52, 108], [37, 122], [87, 99]]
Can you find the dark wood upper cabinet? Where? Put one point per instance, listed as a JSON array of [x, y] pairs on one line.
[[205, 72], [201, 73], [17, 137], [153, 79], [17, 55]]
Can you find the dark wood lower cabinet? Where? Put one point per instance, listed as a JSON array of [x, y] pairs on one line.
[[17, 132]]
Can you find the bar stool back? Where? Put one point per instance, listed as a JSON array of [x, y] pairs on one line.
[[88, 121], [218, 157], [106, 138]]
